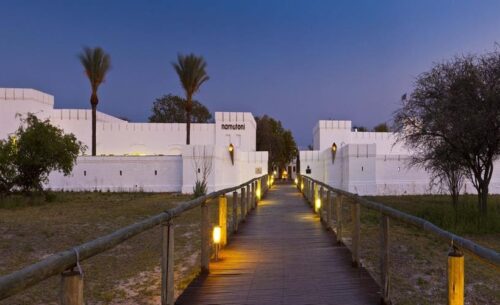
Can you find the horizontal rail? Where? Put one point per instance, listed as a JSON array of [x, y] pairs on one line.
[[17, 281], [488, 255]]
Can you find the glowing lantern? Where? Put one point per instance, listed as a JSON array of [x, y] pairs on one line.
[[231, 152], [216, 238], [334, 151], [296, 181], [317, 205]]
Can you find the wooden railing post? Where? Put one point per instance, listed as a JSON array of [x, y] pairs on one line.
[[223, 219], [322, 202], [205, 237], [167, 264], [384, 260], [355, 212], [243, 204], [235, 211], [338, 217], [249, 198], [328, 203], [455, 277], [252, 198], [306, 190], [71, 288], [311, 195]]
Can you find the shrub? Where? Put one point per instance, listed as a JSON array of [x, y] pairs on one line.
[[200, 188], [37, 149]]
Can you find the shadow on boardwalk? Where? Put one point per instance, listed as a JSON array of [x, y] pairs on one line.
[[283, 255]]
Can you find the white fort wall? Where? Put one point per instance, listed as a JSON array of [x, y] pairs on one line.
[[121, 174], [369, 163], [247, 165], [151, 156]]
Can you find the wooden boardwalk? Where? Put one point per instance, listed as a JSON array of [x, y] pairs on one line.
[[283, 255]]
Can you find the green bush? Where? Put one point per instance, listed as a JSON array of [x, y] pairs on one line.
[[199, 189], [37, 149]]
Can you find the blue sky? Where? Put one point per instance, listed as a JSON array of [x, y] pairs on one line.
[[298, 61]]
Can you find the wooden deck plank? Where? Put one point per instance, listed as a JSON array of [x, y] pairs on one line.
[[282, 255]]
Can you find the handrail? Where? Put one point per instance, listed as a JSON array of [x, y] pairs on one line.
[[17, 281], [488, 255]]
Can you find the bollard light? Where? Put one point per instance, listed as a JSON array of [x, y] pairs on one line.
[[217, 234], [296, 181], [302, 186], [257, 193], [216, 238], [317, 204]]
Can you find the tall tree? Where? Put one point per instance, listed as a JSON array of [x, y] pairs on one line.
[[279, 142], [456, 105], [382, 127], [191, 71], [96, 63], [172, 109]]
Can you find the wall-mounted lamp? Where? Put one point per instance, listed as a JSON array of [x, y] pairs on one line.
[[216, 239], [334, 151], [231, 152]]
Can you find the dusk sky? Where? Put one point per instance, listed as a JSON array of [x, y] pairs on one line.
[[298, 61]]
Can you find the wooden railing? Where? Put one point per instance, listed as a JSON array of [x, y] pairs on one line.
[[67, 263], [330, 200]]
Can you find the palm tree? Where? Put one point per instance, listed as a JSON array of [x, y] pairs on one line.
[[191, 71], [96, 63]]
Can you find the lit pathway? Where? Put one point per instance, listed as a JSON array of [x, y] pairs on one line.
[[283, 255]]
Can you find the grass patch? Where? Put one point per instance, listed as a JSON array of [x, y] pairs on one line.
[[418, 259], [439, 210], [32, 228]]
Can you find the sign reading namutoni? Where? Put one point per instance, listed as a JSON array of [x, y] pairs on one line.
[[233, 126]]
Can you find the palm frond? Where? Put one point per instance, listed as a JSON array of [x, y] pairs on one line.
[[96, 63], [191, 70]]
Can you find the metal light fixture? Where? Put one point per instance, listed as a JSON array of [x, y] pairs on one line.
[[334, 151], [231, 152], [216, 239]]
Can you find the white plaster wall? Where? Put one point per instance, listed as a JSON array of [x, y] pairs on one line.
[[370, 163], [140, 149], [14, 102], [247, 165], [137, 174], [244, 139]]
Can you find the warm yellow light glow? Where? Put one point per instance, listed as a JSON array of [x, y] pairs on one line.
[[334, 147], [217, 235], [296, 180], [231, 147], [257, 193], [302, 186], [317, 205], [136, 153]]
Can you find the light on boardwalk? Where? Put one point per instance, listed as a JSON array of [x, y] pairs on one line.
[[317, 205], [217, 238], [217, 235]]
